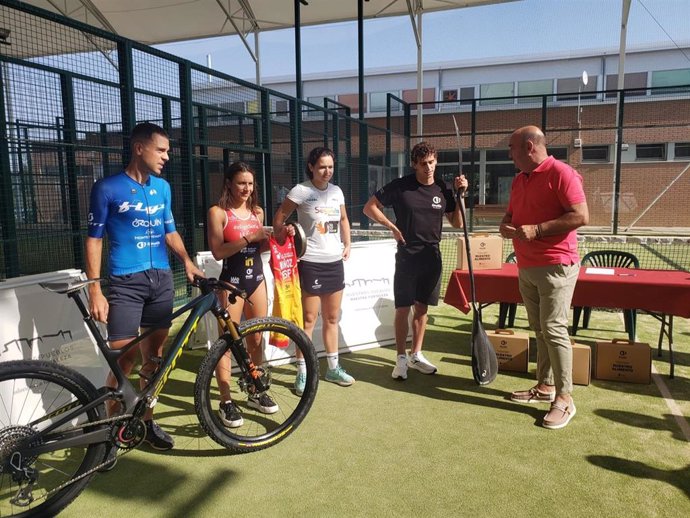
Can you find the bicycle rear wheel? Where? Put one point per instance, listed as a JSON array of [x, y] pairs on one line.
[[259, 429], [32, 393]]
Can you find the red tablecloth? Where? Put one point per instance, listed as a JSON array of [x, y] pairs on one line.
[[659, 291]]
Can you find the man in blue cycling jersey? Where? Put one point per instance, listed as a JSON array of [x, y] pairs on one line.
[[133, 209]]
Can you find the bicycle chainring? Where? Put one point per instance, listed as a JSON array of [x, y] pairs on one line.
[[128, 434]]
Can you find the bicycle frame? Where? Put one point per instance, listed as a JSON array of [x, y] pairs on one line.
[[125, 392]]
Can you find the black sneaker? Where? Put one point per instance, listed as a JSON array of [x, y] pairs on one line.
[[110, 457], [263, 404], [230, 415], [156, 437]]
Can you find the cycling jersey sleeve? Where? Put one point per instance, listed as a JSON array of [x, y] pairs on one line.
[[168, 219], [98, 211]]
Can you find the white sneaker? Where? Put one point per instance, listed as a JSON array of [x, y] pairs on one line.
[[400, 369], [419, 362]]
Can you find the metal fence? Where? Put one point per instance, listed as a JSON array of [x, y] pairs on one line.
[[631, 146], [70, 94]]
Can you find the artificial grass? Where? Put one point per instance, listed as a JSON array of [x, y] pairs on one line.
[[431, 446]]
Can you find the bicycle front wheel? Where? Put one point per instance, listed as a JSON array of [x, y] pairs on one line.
[[32, 394], [260, 422]]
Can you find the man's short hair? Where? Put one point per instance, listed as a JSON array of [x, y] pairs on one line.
[[144, 132], [422, 150]]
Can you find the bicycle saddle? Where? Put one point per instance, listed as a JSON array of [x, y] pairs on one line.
[[66, 287]]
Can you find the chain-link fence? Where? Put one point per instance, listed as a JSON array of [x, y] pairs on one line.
[[631, 146], [70, 96]]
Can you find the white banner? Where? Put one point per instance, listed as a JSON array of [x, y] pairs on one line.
[[368, 310], [38, 324]]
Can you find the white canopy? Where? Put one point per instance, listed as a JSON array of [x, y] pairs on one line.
[[161, 21]]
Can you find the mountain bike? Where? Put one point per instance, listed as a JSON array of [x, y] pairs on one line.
[[55, 433]]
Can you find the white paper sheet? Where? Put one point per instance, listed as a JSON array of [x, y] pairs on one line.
[[600, 271]]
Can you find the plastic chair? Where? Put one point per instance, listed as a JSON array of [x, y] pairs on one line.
[[507, 309], [608, 259]]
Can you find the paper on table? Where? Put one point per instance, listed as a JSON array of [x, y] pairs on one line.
[[600, 271]]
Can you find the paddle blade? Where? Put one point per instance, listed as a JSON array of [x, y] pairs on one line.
[[484, 361]]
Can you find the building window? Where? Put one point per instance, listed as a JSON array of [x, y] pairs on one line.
[[497, 155], [637, 80], [378, 100], [235, 107], [559, 153], [534, 88], [682, 150], [449, 95], [670, 78], [650, 152], [467, 95], [282, 108], [450, 156], [568, 88], [428, 97], [595, 153], [352, 100], [488, 92]]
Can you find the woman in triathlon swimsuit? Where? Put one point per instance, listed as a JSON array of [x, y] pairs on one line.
[[236, 236]]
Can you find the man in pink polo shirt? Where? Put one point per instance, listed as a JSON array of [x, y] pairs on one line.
[[547, 205]]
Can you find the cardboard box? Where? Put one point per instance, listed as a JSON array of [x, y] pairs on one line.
[[582, 364], [486, 250], [512, 349], [622, 360]]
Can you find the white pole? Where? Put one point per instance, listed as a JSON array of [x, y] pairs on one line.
[[420, 77]]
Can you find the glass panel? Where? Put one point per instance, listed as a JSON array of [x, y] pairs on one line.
[[595, 153], [650, 151], [572, 85], [682, 150], [496, 90], [377, 101], [633, 80], [670, 78], [536, 88], [467, 95]]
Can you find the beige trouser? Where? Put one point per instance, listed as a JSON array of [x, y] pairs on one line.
[[547, 292]]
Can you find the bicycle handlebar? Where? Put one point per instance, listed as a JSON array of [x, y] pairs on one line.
[[209, 284]]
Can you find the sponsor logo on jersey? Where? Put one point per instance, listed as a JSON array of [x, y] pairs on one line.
[[147, 223], [234, 280], [125, 206], [93, 223], [436, 202]]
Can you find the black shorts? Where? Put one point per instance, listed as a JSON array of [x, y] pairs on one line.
[[246, 283], [321, 278], [417, 276], [141, 299]]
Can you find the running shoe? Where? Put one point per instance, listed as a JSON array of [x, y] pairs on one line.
[[339, 376], [400, 369], [419, 362], [300, 383]]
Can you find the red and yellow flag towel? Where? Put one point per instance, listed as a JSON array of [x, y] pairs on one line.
[[287, 294]]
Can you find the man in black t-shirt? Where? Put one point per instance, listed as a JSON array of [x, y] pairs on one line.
[[419, 202]]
